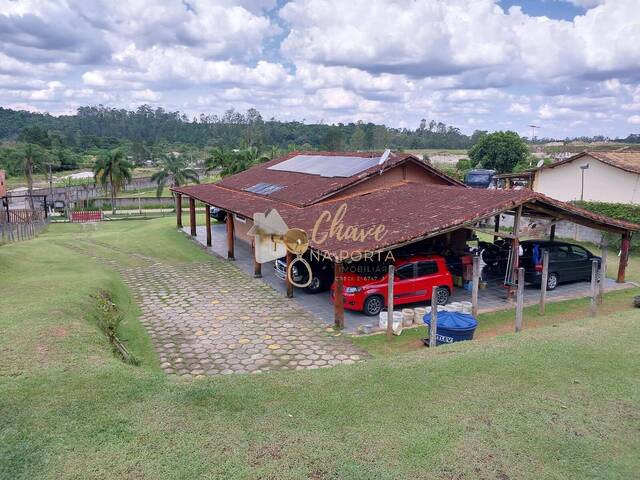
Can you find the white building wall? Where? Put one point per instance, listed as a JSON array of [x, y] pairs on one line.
[[602, 182]]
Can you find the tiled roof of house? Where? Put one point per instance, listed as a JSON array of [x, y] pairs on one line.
[[305, 189], [628, 160]]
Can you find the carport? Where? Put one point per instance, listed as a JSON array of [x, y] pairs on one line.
[[410, 212]]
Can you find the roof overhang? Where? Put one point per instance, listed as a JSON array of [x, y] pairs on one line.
[[409, 213]]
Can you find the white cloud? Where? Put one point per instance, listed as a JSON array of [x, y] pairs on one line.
[[519, 108], [464, 62], [634, 119]]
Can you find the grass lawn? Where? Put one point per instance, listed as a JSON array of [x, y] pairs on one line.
[[552, 402]]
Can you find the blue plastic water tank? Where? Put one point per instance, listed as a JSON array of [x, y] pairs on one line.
[[452, 327]]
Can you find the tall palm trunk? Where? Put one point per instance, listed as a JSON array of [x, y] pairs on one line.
[[113, 194], [29, 174]]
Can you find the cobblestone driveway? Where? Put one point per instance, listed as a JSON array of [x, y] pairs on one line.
[[211, 318]]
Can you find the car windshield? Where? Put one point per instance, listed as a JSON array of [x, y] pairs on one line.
[[478, 178]]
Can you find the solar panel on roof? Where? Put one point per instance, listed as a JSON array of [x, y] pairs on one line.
[[326, 166], [264, 188]]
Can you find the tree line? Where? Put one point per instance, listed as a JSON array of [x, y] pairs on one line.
[[102, 127]]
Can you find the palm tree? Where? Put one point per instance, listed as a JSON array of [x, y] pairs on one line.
[[112, 171], [176, 169], [29, 156], [232, 162]]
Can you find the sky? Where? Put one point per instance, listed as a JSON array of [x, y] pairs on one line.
[[572, 67]]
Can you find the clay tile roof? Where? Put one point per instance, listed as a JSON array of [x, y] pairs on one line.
[[628, 160], [305, 189]]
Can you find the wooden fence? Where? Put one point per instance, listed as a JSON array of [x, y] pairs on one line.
[[21, 216], [17, 232]]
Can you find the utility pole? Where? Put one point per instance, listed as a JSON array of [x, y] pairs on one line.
[[583, 168]]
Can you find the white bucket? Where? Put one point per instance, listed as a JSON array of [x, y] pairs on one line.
[[407, 317], [466, 307], [418, 315], [397, 322], [382, 322]]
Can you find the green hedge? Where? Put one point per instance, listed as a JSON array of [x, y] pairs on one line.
[[620, 211]]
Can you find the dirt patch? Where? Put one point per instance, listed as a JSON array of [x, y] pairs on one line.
[[267, 453], [60, 332]]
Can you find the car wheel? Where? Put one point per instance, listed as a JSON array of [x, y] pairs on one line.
[[552, 281], [315, 286], [442, 296], [373, 305]]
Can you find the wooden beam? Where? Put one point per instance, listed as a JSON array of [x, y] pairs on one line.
[[593, 307], [496, 227], [520, 299], [257, 266], [603, 270], [433, 326], [288, 282], [624, 256], [338, 298], [475, 286], [495, 234], [552, 232], [515, 248], [543, 282], [207, 213], [230, 237], [179, 210], [192, 215], [390, 278]]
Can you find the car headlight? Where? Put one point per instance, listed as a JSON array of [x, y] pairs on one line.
[[352, 289]]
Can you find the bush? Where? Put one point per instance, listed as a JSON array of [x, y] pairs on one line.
[[619, 211]]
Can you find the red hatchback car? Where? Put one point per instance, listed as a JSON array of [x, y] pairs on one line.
[[414, 280]]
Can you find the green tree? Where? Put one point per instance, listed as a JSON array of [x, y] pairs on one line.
[[358, 139], [113, 172], [173, 168], [31, 154], [230, 162], [500, 151]]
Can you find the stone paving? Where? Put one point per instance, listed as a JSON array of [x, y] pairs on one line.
[[211, 318]]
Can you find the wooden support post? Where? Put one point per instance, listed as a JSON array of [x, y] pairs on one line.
[[230, 237], [288, 282], [593, 308], [257, 266], [390, 277], [192, 215], [552, 232], [338, 297], [496, 226], [520, 299], [433, 326], [515, 249], [543, 281], [179, 210], [207, 222], [603, 271], [624, 256], [476, 286]]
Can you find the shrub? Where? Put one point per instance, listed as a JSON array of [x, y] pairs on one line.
[[619, 211]]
